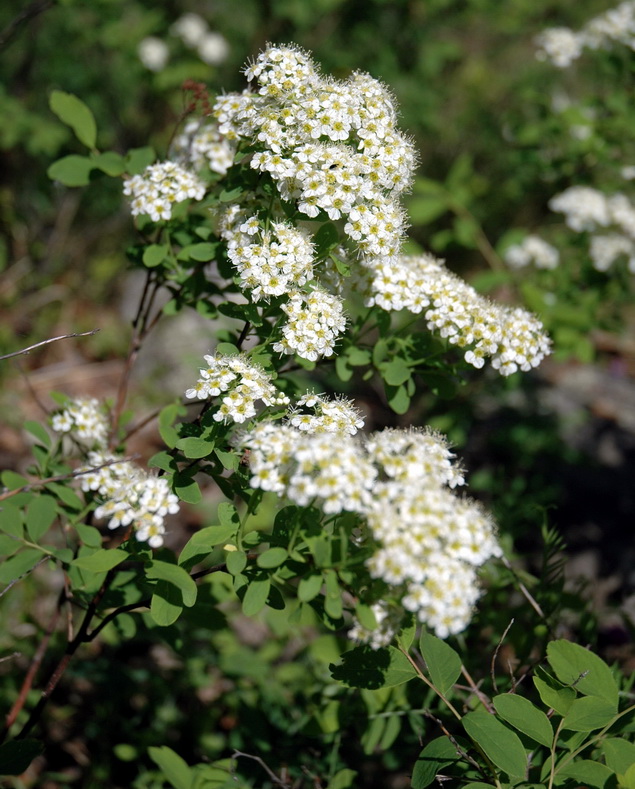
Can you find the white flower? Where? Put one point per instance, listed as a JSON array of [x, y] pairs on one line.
[[201, 143], [532, 249], [584, 207], [240, 382], [213, 48], [85, 420], [130, 497], [160, 186], [315, 322], [153, 53], [512, 337], [560, 45], [191, 28]]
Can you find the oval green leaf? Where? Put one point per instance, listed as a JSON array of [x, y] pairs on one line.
[[74, 113], [256, 596], [577, 666], [101, 561], [271, 558], [499, 744], [71, 170], [175, 575], [368, 668], [444, 664], [40, 514], [589, 713], [309, 587], [522, 715], [166, 605]]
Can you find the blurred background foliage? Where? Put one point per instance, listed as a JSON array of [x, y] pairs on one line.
[[554, 449]]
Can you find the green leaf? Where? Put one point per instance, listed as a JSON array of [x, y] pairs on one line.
[[326, 238], [101, 561], [587, 773], [74, 113], [66, 496], [365, 616], [395, 372], [230, 195], [175, 575], [627, 780], [138, 159], [155, 254], [271, 558], [343, 779], [174, 768], [195, 448], [19, 565], [214, 535], [559, 699], [186, 488], [574, 665], [109, 162], [333, 599], [499, 744], [256, 596], [522, 715], [17, 755], [228, 515], [166, 605], [309, 587], [433, 758], [364, 667], [8, 546], [71, 170], [201, 252], [40, 514], [11, 520], [167, 418], [39, 432], [443, 663], [89, 535], [618, 754], [406, 635], [236, 562], [398, 398], [589, 713]]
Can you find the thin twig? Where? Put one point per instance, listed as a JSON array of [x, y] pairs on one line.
[[28, 13], [20, 577], [46, 342], [527, 594], [267, 769], [495, 655], [477, 691], [60, 477], [460, 752]]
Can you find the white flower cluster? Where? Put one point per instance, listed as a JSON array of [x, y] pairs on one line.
[[201, 144], [587, 209], [561, 45], [130, 496], [330, 145], [316, 320], [85, 420], [240, 382], [329, 416], [192, 29], [512, 337], [159, 187], [431, 542], [271, 262], [532, 249]]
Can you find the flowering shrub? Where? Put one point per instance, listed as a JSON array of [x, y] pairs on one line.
[[281, 218]]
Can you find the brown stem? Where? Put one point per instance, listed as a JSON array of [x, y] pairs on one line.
[[61, 667], [30, 675]]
